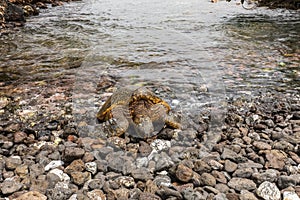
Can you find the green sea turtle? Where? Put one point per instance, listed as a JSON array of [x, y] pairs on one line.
[[136, 111]]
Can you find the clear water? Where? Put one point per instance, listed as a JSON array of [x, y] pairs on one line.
[[192, 53]]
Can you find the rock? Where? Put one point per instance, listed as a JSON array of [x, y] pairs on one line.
[[40, 184], [101, 153], [32, 195], [242, 184], [88, 157], [232, 196], [75, 166], [119, 162], [243, 172], [61, 191], [289, 195], [142, 174], [10, 185], [223, 188], [19, 137], [96, 183], [219, 176], [91, 167], [121, 193], [63, 177], [144, 148], [230, 166], [96, 194], [162, 180], [165, 193], [231, 155], [184, 173], [270, 123], [8, 174], [12, 128], [148, 196], [7, 145], [211, 190], [162, 161], [149, 186], [215, 164], [117, 143], [73, 153], [54, 164], [125, 181], [160, 145], [246, 195], [13, 162], [283, 145], [270, 175], [196, 180], [297, 190], [295, 157], [22, 171], [250, 164], [201, 166], [220, 196], [79, 178], [183, 187], [101, 165], [208, 179], [286, 181], [191, 194], [275, 159], [268, 191], [36, 170], [55, 155], [261, 145]]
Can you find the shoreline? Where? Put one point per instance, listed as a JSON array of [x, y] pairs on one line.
[[13, 13], [43, 155]]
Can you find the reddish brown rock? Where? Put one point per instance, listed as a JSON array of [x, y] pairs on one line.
[[19, 137], [275, 159], [32, 195], [184, 173], [75, 166]]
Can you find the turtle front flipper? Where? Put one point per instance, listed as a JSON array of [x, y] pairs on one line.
[[118, 124]]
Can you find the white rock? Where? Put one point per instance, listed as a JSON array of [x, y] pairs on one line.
[[160, 145], [142, 162], [63, 176], [54, 164], [268, 191], [91, 167], [63, 185], [175, 102], [289, 195], [255, 117], [73, 197]]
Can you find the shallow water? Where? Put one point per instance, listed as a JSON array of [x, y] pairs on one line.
[[191, 53]]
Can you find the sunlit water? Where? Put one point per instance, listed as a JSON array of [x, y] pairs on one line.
[[191, 53]]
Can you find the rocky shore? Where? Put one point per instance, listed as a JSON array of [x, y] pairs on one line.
[[43, 156], [13, 13]]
